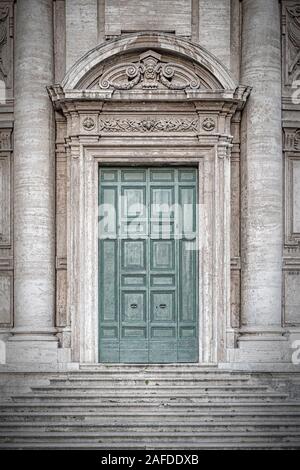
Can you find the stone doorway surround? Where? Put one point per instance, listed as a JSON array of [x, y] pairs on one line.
[[140, 100]]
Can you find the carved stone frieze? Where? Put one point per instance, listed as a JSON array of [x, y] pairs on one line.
[[6, 44], [149, 73], [148, 125], [4, 12], [293, 32], [292, 140]]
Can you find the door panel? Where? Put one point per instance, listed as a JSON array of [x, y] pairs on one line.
[[148, 306]]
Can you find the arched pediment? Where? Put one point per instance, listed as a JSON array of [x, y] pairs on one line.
[[148, 62]]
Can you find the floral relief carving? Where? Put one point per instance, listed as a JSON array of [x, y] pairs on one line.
[[208, 124], [292, 140], [148, 125], [297, 140], [88, 124], [149, 73], [4, 12]]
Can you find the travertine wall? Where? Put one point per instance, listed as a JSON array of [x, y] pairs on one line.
[[79, 25]]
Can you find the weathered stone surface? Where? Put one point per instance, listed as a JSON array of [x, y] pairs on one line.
[[262, 166], [214, 28], [33, 178], [172, 16], [81, 28], [193, 116]]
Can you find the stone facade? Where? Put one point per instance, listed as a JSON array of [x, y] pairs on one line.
[[79, 91]]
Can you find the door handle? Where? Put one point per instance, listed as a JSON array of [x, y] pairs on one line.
[[133, 305], [162, 306]]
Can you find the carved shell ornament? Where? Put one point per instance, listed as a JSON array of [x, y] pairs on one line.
[[149, 73]]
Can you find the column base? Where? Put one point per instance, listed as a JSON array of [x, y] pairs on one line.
[[32, 349], [264, 345]]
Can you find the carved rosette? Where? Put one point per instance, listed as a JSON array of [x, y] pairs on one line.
[[208, 124], [149, 73], [88, 124]]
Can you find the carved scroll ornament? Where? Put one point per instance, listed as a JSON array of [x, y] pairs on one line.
[[293, 31], [149, 73], [4, 12]]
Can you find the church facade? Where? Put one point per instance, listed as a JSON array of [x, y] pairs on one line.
[[114, 117]]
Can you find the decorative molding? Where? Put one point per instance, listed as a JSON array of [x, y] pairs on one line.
[[291, 43], [292, 190], [6, 46], [209, 124], [61, 263], [88, 124], [5, 197], [5, 139], [150, 72], [6, 296], [293, 33], [291, 294], [6, 264], [292, 139], [4, 12], [148, 125]]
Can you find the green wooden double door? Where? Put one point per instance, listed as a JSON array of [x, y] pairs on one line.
[[148, 265]]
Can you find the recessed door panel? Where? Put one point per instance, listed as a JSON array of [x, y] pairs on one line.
[[148, 265], [133, 254], [162, 255], [162, 306], [133, 306]]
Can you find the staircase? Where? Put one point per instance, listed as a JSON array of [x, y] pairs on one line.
[[152, 407]]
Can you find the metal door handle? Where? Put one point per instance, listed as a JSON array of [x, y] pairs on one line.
[[133, 305], [162, 306]]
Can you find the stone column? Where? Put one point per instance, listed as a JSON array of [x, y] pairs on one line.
[[34, 252], [261, 176]]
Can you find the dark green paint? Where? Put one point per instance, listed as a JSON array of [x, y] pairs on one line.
[[148, 305]]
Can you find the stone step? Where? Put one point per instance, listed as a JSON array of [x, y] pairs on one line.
[[179, 366], [125, 370], [115, 426], [154, 396], [142, 381], [155, 374], [154, 444], [135, 416], [151, 388], [116, 407], [146, 437]]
